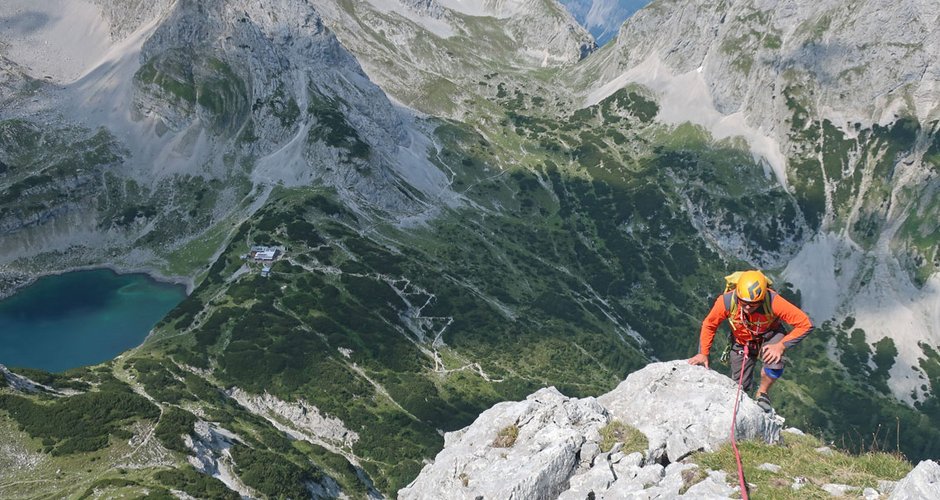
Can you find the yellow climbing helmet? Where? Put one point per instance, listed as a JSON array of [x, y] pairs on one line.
[[751, 286]]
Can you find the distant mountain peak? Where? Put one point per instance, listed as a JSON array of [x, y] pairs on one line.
[[603, 17]]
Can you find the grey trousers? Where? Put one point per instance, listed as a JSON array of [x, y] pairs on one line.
[[737, 359]]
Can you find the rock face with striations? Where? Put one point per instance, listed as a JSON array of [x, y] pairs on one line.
[[557, 452]]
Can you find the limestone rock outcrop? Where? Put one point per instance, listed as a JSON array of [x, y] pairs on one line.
[[683, 409], [550, 445], [922, 482], [556, 446]]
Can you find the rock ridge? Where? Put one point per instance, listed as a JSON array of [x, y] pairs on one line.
[[550, 445], [557, 448]]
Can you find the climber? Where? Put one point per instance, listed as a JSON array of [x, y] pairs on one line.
[[756, 315]]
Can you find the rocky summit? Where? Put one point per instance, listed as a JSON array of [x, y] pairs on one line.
[[554, 446], [558, 448]]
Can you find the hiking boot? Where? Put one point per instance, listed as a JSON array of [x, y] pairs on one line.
[[763, 400]]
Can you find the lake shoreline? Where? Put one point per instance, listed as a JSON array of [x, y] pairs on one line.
[[83, 316], [12, 282]]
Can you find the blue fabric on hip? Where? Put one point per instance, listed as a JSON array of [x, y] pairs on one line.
[[773, 373]]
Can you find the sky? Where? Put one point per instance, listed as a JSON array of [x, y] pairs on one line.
[[603, 17]]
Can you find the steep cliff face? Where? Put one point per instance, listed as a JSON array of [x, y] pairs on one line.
[[12, 80], [197, 108], [431, 55], [790, 78], [264, 81], [858, 66], [125, 17]]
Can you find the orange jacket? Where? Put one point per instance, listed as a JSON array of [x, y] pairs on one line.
[[756, 323]]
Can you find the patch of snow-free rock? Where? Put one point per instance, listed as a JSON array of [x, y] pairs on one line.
[[922, 482], [299, 419], [685, 97], [210, 446], [23, 384], [837, 280], [56, 40]]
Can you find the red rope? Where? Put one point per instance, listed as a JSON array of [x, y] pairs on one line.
[[734, 418]]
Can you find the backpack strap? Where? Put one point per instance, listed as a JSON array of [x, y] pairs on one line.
[[768, 305], [731, 301]]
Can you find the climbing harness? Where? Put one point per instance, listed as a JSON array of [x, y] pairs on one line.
[[756, 329], [734, 418]]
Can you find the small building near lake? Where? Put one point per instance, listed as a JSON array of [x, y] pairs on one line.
[[264, 254]]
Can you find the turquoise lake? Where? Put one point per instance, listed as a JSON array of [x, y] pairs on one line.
[[81, 318]]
